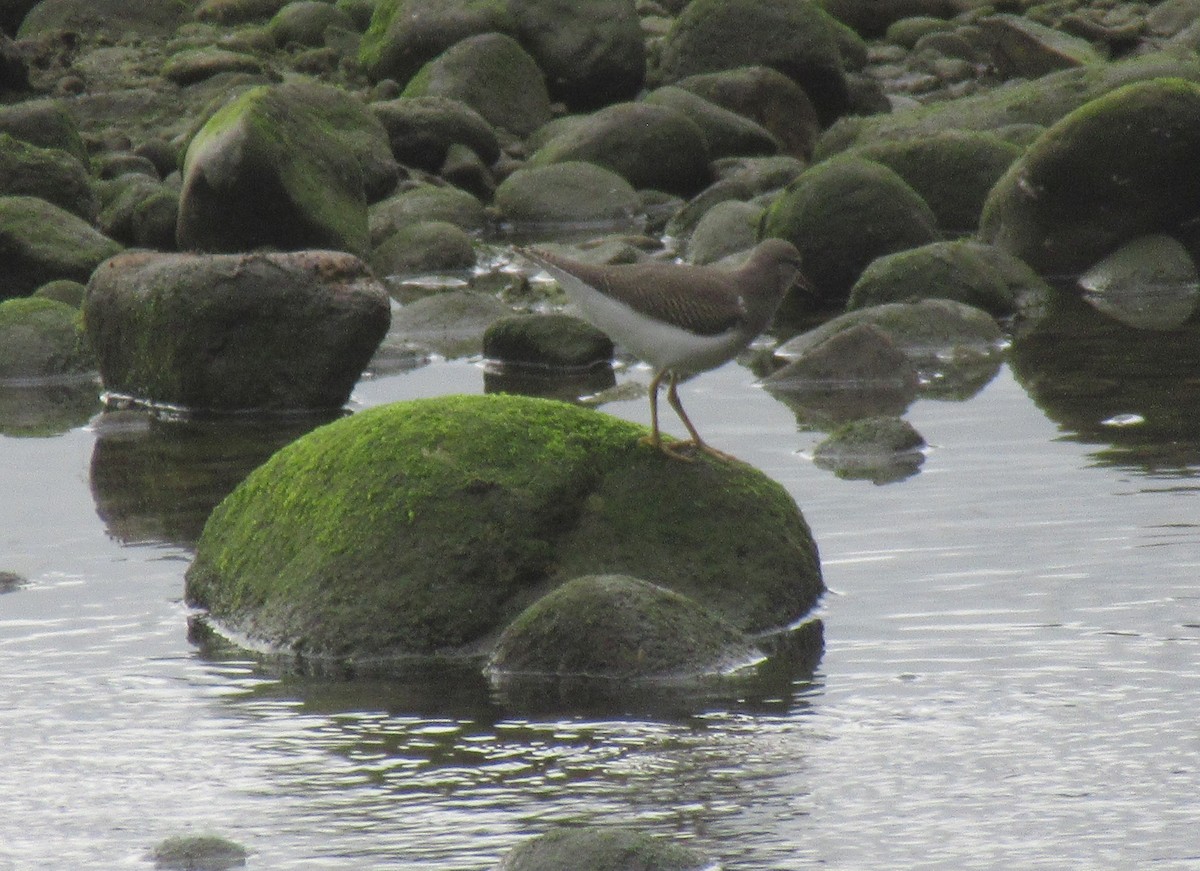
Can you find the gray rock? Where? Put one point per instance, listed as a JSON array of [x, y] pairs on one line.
[[493, 75], [198, 853], [194, 65], [879, 449], [45, 123], [42, 242], [727, 228], [146, 17], [426, 202], [305, 22], [726, 133], [451, 323], [267, 332], [1149, 283], [1026, 49]]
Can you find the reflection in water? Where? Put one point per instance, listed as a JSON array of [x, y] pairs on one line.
[[567, 385], [1096, 376], [157, 480]]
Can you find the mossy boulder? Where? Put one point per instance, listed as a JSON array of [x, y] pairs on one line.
[[406, 34], [767, 97], [1041, 102], [119, 17], [48, 173], [193, 65], [264, 332], [881, 449], [726, 133], [953, 171], [558, 341], [796, 37], [45, 123], [421, 130], [424, 246], [426, 202], [651, 147], [41, 338], [598, 848], [572, 192], [592, 53], [237, 11], [1024, 48], [289, 166], [843, 213], [1117, 168], [306, 22], [618, 627], [493, 75], [426, 527], [971, 272], [40, 242]]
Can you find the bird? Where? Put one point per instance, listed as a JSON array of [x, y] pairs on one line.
[[680, 318]]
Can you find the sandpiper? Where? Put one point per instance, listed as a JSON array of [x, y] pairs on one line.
[[681, 319]]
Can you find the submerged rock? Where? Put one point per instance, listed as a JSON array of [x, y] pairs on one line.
[[599, 848], [198, 853], [1151, 282], [551, 341], [276, 332], [618, 627], [426, 527], [880, 449]]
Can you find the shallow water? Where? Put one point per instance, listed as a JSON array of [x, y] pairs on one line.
[[1011, 673]]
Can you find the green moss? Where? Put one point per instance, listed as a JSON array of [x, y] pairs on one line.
[[428, 525], [41, 338]]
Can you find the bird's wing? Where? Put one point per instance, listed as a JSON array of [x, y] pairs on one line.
[[700, 300]]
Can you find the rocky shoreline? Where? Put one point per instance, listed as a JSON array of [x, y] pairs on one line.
[[233, 206]]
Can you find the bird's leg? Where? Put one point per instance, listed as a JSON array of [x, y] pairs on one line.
[[701, 445], [655, 437]]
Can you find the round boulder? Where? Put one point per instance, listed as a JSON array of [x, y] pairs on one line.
[[971, 272], [41, 338], [796, 37], [422, 129], [651, 147], [426, 527], [42, 242], [599, 848], [1115, 169], [53, 175], [493, 75], [572, 192], [615, 626], [843, 213], [556, 341], [268, 332]]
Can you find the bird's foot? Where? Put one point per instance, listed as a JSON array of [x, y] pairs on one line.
[[705, 447], [668, 449]]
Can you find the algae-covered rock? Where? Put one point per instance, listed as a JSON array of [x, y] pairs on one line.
[[572, 192], [1117, 168], [654, 147], [47, 173], [843, 213], [1151, 282], [290, 166], [198, 853], [41, 338], [41, 242], [146, 17], [426, 202], [953, 171], [1025, 48], [879, 449], [726, 133], [405, 34], [766, 96], [551, 340], [970, 272], [793, 36], [422, 129], [305, 22], [45, 123], [427, 526], [493, 75], [599, 848], [276, 332], [424, 246], [592, 53], [615, 626]]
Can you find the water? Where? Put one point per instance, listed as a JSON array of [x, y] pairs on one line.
[[1010, 676]]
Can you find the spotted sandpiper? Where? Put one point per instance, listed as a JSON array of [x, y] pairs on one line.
[[680, 319]]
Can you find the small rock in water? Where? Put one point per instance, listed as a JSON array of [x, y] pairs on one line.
[[880, 449], [11, 582], [1150, 283], [198, 853]]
